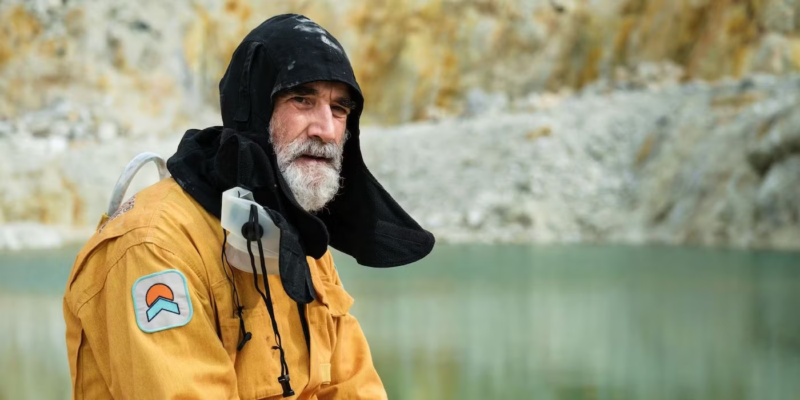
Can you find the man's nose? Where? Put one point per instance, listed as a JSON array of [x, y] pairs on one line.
[[322, 125]]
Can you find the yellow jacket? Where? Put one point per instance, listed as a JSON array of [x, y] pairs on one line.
[[111, 295]]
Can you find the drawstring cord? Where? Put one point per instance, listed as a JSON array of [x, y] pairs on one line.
[[237, 301], [252, 231]]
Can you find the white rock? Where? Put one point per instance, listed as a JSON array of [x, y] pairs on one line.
[[107, 131], [26, 235], [58, 144]]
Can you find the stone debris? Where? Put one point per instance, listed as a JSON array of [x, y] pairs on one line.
[[667, 165], [710, 164], [543, 121]]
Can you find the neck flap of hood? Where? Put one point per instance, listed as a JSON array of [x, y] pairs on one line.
[[363, 220]]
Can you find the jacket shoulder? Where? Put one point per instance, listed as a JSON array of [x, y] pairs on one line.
[[164, 200], [161, 214]]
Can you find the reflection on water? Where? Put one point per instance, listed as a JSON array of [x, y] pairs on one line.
[[33, 353], [498, 322]]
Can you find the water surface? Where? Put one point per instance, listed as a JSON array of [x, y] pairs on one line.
[[502, 322]]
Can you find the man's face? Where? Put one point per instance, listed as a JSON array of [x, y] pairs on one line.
[[308, 132]]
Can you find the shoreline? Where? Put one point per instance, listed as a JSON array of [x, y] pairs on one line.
[[61, 237]]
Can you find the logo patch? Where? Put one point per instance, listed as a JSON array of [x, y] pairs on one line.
[[161, 301]]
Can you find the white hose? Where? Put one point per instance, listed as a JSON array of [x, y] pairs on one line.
[[130, 171]]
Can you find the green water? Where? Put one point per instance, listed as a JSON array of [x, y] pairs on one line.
[[512, 322]]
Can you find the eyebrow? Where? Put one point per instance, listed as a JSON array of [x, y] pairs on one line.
[[302, 90], [299, 91], [346, 101]]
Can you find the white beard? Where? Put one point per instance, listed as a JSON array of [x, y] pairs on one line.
[[313, 185]]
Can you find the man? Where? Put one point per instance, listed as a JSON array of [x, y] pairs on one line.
[[153, 306]]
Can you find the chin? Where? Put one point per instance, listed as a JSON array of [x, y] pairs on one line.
[[316, 176], [313, 186]]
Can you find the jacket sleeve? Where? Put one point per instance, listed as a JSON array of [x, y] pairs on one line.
[[353, 376], [184, 361]]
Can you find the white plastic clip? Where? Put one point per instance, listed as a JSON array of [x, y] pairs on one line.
[[235, 213]]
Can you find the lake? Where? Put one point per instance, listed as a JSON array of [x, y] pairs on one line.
[[503, 322]]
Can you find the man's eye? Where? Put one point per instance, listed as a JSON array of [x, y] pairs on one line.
[[340, 111], [301, 100]]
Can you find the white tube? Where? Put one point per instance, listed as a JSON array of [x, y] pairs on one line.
[[127, 176]]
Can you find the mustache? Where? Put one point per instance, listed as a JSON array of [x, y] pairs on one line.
[[314, 149], [298, 148]]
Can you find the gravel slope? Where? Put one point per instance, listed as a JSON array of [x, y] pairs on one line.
[[679, 164]]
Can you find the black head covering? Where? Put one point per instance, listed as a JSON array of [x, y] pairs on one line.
[[363, 220]]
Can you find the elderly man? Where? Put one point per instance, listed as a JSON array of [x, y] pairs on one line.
[[155, 307]]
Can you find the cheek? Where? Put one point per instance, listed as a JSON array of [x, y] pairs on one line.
[[341, 126], [287, 126]]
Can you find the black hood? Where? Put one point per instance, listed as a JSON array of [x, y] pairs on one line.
[[363, 220]]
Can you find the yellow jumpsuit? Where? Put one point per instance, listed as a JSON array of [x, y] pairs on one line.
[[163, 229]]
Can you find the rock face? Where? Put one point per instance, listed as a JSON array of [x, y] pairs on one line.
[[685, 164], [546, 120], [151, 63], [679, 164]]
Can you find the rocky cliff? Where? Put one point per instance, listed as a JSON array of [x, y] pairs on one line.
[[416, 59], [520, 120]]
